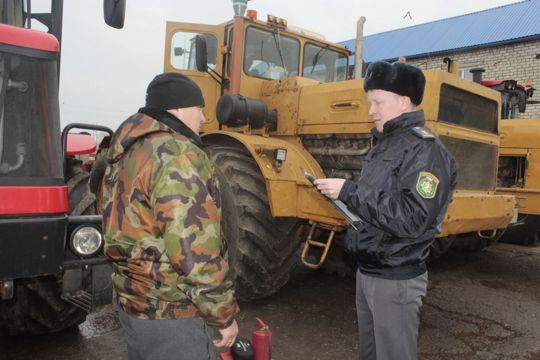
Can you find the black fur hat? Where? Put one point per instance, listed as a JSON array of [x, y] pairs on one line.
[[173, 91], [400, 78]]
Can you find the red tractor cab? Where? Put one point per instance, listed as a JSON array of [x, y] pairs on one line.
[[52, 267], [514, 96]]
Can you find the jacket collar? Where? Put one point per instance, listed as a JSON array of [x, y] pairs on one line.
[[147, 121], [400, 124], [172, 122]]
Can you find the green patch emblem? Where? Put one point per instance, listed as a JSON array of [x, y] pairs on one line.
[[427, 185]]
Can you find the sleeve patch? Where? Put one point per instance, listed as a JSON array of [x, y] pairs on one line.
[[427, 184]]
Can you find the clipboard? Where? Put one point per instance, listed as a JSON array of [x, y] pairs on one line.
[[337, 204]]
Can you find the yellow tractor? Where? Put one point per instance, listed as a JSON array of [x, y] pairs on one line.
[[519, 157], [519, 175], [279, 103]]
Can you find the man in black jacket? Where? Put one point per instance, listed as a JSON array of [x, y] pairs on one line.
[[402, 195]]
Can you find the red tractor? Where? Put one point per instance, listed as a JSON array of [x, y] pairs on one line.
[[514, 96], [52, 268]]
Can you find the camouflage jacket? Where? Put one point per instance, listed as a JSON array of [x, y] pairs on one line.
[[161, 223]]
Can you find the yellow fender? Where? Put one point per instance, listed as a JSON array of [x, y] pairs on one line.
[[289, 192]]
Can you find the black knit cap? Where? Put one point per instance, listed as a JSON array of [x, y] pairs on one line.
[[400, 78], [173, 91]]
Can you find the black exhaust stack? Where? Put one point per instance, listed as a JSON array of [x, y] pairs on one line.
[[477, 74]]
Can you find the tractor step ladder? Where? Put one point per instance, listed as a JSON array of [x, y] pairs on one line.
[[80, 299], [317, 244]]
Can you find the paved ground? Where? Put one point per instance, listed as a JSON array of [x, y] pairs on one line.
[[479, 306]]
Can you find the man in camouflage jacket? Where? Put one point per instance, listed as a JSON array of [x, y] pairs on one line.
[[162, 229]]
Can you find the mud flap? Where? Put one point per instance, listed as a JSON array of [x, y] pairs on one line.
[[72, 280], [101, 285]]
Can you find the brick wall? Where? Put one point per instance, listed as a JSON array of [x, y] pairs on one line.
[[515, 61]]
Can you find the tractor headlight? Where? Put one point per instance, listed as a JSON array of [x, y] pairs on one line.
[[280, 154], [86, 240]]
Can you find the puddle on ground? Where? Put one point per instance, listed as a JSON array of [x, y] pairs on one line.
[[100, 323]]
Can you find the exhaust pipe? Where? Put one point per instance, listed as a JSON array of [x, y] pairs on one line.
[[359, 48], [239, 7], [453, 65], [477, 74]]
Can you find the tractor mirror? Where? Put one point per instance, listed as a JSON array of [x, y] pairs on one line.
[[201, 53], [114, 12]]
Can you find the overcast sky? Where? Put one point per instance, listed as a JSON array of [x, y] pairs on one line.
[[105, 71]]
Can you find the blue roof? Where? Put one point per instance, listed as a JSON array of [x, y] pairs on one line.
[[497, 26]]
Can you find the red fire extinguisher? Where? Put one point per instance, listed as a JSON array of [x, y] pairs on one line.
[[262, 341]]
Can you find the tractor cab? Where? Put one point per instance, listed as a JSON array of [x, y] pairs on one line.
[[30, 148], [52, 268], [514, 96]]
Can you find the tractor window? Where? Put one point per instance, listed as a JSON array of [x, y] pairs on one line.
[[270, 55], [324, 64], [183, 50], [12, 12], [229, 36], [30, 149]]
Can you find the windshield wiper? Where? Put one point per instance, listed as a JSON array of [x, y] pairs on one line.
[[317, 57], [280, 53]]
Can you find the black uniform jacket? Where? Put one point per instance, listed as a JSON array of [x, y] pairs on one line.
[[402, 195]]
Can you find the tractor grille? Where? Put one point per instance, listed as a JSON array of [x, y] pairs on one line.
[[343, 155], [477, 163]]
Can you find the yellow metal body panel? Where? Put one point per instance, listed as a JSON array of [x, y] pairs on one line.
[[284, 96], [521, 137], [446, 129], [289, 192], [528, 199], [432, 92], [520, 133], [344, 103], [472, 211]]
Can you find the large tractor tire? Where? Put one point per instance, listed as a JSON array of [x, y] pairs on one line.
[[440, 246], [81, 200], [525, 232], [339, 263], [262, 248], [37, 306]]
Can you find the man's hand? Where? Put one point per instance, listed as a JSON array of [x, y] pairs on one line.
[[330, 187], [228, 335]]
